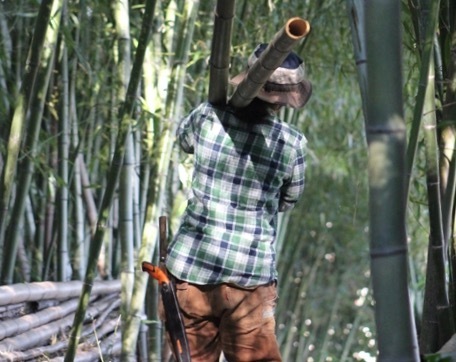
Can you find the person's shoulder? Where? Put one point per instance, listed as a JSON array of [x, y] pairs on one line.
[[202, 108], [208, 108], [289, 129]]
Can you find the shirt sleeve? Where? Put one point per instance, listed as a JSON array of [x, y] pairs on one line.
[[292, 190], [185, 132]]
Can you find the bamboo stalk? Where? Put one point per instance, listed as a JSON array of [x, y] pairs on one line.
[[78, 216], [22, 256], [296, 295], [152, 72], [357, 20], [447, 143], [447, 138], [331, 323], [127, 228], [350, 339], [41, 80], [30, 224], [50, 202], [5, 65], [37, 255], [63, 258], [121, 15], [77, 248], [19, 118], [396, 331], [113, 177], [278, 49], [220, 51], [426, 55], [437, 322], [164, 149], [88, 197]]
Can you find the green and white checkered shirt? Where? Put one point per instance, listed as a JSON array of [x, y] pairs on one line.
[[244, 174]]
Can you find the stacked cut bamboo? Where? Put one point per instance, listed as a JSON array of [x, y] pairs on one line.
[[35, 321]]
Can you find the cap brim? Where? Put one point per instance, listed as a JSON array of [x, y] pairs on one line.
[[293, 98]]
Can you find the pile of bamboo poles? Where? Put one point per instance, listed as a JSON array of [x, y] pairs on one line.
[[35, 321]]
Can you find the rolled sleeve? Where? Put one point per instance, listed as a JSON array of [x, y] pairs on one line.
[[292, 190], [185, 133]]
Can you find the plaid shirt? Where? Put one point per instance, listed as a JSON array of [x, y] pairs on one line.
[[244, 174]]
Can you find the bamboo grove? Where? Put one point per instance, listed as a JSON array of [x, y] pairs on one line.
[[90, 96]]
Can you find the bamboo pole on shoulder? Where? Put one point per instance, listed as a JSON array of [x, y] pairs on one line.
[[220, 52], [281, 45], [396, 332]]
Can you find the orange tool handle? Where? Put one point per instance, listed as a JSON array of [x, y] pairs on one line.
[[155, 272]]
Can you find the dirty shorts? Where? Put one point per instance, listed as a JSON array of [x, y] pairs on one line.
[[225, 318]]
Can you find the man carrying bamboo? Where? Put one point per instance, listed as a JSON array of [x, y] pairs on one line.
[[248, 166]]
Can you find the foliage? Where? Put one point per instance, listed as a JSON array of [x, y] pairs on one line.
[[325, 310]]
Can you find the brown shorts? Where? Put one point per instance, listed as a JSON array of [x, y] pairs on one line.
[[225, 318]]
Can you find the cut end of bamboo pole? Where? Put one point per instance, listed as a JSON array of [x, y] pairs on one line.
[[297, 28], [294, 30]]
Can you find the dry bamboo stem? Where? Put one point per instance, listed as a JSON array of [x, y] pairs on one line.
[[35, 337], [102, 330], [101, 317], [111, 349], [15, 326], [105, 329], [18, 293]]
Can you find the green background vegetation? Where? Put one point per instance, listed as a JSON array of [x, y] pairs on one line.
[[74, 122]]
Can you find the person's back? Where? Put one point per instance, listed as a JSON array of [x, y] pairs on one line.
[[248, 166], [244, 170]]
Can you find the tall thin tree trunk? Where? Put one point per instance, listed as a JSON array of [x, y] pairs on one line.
[[63, 257], [447, 141], [5, 65], [36, 104], [78, 212], [113, 177], [396, 334], [121, 15], [355, 10], [148, 246], [437, 322], [426, 36], [20, 113]]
